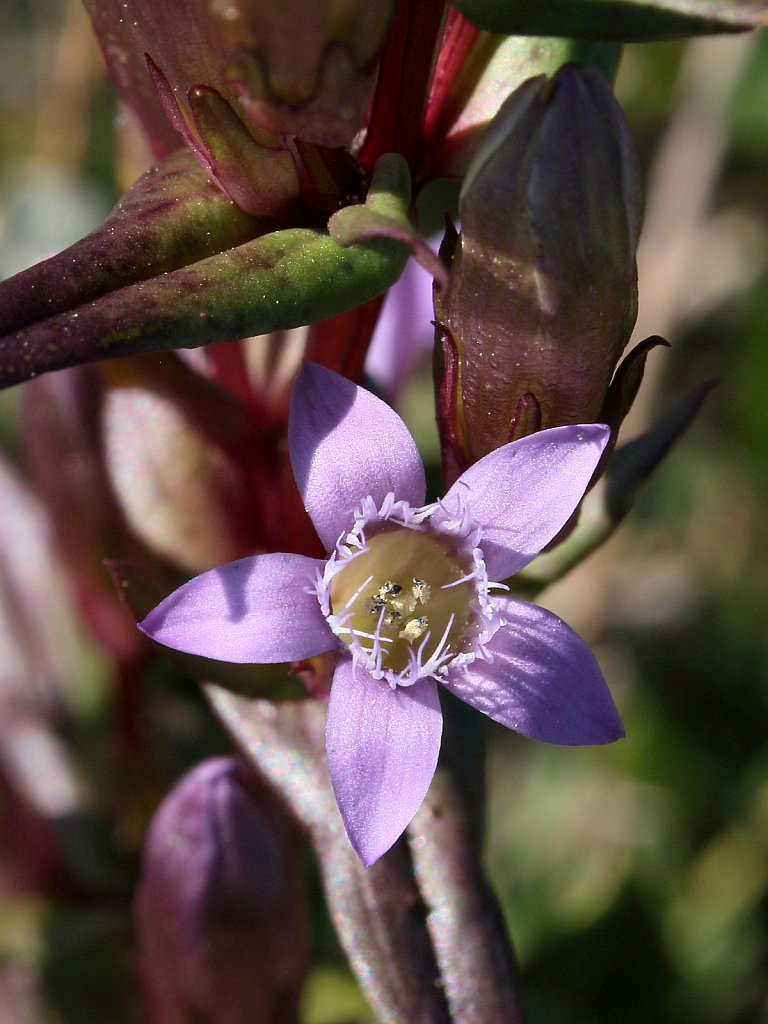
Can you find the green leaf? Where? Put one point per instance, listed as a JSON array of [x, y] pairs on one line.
[[383, 216], [630, 21], [277, 281], [172, 216]]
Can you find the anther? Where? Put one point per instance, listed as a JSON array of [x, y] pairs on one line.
[[414, 629], [405, 604]]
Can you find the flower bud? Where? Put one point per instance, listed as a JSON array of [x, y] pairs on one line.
[[304, 69], [235, 77], [220, 911], [543, 290]]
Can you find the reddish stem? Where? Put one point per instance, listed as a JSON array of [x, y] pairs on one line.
[[403, 85], [341, 343], [227, 363], [458, 39]]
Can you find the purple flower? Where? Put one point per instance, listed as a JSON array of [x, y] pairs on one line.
[[405, 598]]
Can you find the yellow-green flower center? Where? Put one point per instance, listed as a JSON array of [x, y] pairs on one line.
[[404, 593]]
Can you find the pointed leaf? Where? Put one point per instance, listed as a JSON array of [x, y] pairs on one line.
[[633, 463], [626, 383], [279, 281], [172, 216], [632, 21]]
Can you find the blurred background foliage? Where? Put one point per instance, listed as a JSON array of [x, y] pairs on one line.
[[634, 878]]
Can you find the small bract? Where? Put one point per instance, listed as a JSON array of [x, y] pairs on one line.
[[407, 599]]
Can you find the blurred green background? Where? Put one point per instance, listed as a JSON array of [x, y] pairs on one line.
[[634, 878]]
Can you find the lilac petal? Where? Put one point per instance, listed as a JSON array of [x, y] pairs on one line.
[[404, 332], [382, 753], [524, 493], [543, 681], [259, 609], [346, 444]]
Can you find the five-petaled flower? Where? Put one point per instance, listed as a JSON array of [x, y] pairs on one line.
[[405, 599]]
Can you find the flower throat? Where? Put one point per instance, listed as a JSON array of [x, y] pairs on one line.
[[403, 598]]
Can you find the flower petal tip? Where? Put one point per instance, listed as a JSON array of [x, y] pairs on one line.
[[370, 854], [586, 433]]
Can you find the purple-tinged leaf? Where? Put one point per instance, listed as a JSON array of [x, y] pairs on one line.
[[294, 68], [281, 280], [174, 215], [63, 453], [185, 497], [626, 383], [632, 463], [252, 167]]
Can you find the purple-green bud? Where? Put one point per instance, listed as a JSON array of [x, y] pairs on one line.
[[236, 78], [303, 69], [220, 906], [543, 290]]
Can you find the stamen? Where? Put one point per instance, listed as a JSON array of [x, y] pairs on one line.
[[414, 629], [389, 620], [361, 633], [404, 604], [436, 653], [376, 652]]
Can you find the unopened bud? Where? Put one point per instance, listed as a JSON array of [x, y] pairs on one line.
[[220, 906], [304, 69], [543, 282], [236, 77]]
